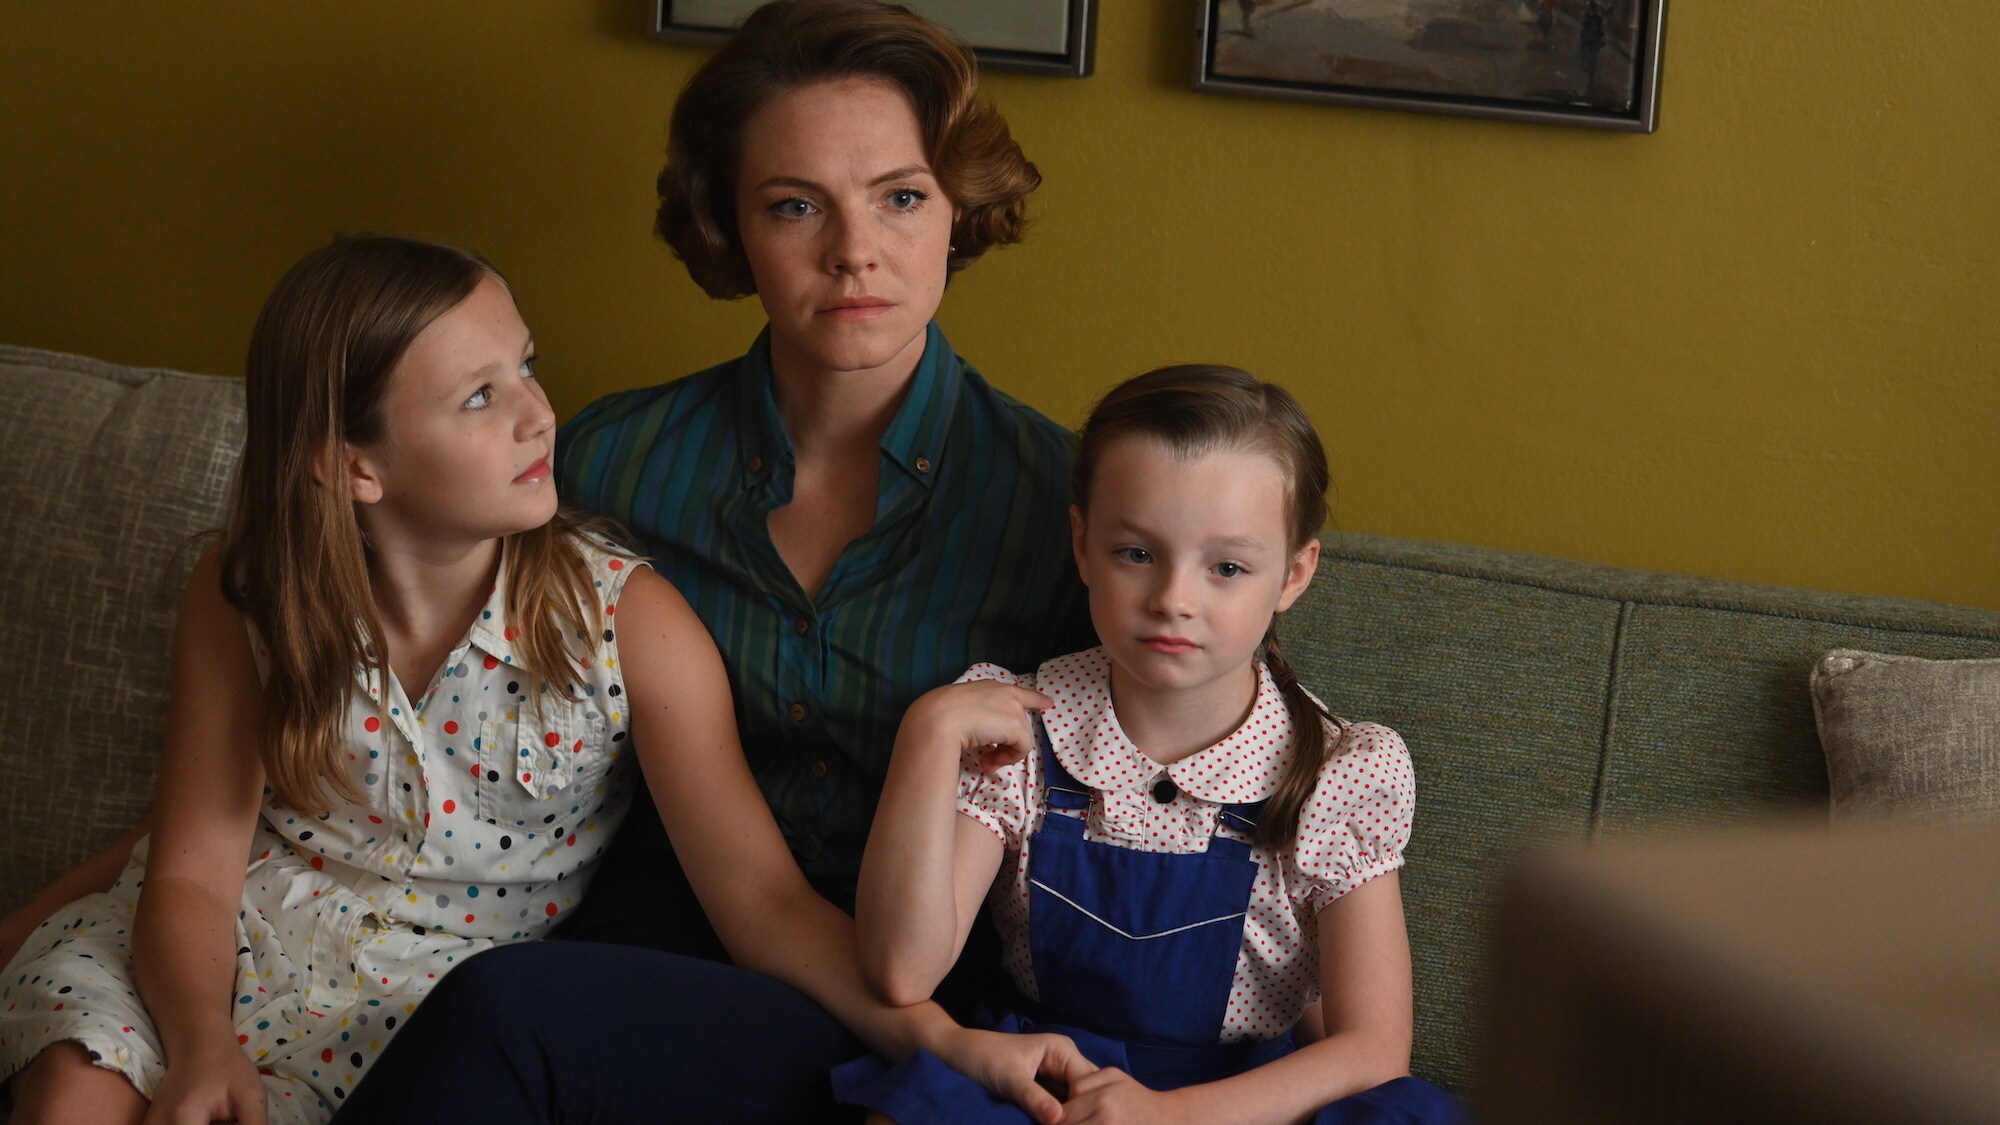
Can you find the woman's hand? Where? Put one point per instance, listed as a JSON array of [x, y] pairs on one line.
[[214, 1082], [1113, 1097], [985, 716], [1010, 1066]]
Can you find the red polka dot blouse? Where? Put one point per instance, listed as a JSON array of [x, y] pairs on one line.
[[1355, 826]]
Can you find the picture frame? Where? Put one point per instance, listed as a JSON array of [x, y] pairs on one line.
[[1049, 37], [1589, 63]]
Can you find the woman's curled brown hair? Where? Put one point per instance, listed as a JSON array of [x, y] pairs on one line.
[[788, 44]]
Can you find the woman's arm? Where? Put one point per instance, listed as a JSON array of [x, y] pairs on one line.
[[684, 727], [93, 876], [211, 784], [768, 916], [927, 868], [1364, 971]]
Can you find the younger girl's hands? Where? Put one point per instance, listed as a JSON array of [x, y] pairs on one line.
[[1113, 1097], [214, 1082], [1009, 1065], [988, 717]]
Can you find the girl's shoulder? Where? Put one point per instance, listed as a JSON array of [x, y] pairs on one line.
[[989, 671], [1369, 740], [1356, 824], [1366, 782], [599, 546], [985, 670]]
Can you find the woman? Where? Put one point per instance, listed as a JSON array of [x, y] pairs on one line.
[[856, 516]]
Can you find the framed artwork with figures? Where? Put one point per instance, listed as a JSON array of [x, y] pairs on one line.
[[1593, 63]]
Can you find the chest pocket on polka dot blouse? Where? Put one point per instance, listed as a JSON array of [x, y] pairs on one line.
[[535, 768]]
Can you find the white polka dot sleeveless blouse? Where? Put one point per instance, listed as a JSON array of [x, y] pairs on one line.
[[480, 822]]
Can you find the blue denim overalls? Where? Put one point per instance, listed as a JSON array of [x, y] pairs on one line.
[[1134, 957]]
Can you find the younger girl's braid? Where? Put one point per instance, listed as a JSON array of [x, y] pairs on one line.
[[1279, 824]]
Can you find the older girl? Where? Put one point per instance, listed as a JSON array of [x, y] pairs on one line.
[[395, 690]]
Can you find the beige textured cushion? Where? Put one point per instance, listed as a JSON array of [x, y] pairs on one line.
[[1904, 735], [105, 472]]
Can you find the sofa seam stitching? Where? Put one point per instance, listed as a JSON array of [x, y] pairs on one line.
[[1601, 792]]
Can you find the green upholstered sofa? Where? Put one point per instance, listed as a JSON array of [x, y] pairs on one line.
[[1545, 699], [1539, 697]]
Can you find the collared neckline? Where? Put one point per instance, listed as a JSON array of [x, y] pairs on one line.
[[1089, 742], [760, 434], [914, 440], [491, 631], [916, 435]]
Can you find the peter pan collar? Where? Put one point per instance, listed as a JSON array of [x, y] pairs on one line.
[[1089, 742]]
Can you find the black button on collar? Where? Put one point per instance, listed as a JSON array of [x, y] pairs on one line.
[[1164, 791]]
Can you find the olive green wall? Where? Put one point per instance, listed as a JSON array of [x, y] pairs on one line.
[[1758, 344]]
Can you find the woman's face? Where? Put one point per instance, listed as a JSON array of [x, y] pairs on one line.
[[845, 227]]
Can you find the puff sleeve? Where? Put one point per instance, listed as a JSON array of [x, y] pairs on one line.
[[1357, 822], [998, 800]]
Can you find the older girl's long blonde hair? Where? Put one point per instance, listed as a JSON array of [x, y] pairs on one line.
[[293, 555]]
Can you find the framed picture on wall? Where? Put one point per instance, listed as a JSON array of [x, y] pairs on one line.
[[1038, 36], [1593, 63]]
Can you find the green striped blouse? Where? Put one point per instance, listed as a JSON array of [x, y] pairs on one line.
[[968, 560]]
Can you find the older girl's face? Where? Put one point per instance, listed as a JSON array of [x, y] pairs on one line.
[[468, 439], [844, 225]]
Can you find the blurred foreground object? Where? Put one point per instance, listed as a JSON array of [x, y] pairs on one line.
[[1771, 974]]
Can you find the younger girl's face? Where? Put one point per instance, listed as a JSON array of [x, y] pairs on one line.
[[1187, 559], [468, 440]]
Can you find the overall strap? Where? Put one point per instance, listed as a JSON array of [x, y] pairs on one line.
[[1241, 817]]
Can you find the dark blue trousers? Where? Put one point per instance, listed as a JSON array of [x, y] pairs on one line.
[[659, 1028]]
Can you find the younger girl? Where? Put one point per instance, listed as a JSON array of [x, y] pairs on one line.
[[395, 690], [1189, 849]]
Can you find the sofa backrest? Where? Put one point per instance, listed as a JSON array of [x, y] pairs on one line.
[[1543, 699], [1539, 697], [105, 473]]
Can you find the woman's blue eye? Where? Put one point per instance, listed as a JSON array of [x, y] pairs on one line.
[[1138, 555], [792, 208], [1229, 569], [903, 199]]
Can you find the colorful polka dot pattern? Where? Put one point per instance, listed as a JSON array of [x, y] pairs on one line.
[[482, 821], [1355, 826]]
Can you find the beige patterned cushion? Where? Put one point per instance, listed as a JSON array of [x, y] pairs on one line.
[[1904, 735], [105, 472]]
